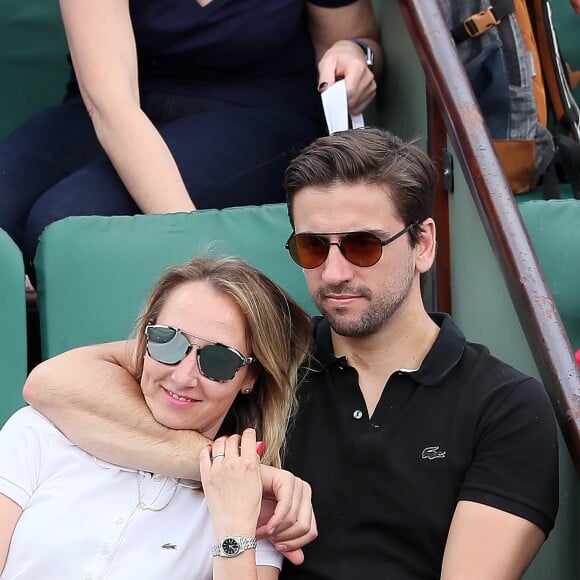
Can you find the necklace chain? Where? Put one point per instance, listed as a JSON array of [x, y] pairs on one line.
[[142, 505]]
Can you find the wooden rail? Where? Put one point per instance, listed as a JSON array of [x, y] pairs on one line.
[[451, 99]]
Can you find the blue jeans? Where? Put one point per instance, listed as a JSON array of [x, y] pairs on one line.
[[53, 166]]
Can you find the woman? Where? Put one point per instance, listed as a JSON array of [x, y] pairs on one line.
[[191, 104], [217, 349]]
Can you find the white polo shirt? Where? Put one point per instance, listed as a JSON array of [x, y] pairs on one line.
[[81, 517]]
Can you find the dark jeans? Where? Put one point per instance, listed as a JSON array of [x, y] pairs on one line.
[[53, 167]]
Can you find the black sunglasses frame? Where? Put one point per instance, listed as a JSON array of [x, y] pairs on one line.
[[244, 361], [294, 254]]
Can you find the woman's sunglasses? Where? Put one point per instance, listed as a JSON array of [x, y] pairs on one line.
[[216, 361], [359, 248]]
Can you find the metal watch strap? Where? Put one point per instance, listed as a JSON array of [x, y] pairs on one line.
[[231, 546], [369, 53]]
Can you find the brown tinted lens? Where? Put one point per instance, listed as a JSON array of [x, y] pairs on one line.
[[361, 248], [307, 250]]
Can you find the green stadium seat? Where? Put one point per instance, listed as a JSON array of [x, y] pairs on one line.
[[93, 273], [13, 352], [553, 228], [33, 62]]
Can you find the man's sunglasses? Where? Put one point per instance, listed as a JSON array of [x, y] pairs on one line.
[[359, 248], [216, 361]]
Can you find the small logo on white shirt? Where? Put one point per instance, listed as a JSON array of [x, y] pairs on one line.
[[169, 546], [433, 453]]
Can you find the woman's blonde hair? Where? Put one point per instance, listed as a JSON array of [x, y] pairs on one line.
[[279, 333]]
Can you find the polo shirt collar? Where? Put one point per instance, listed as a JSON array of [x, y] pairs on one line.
[[440, 360], [445, 353]]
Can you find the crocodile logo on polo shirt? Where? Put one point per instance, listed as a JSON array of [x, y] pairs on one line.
[[433, 453], [169, 546]]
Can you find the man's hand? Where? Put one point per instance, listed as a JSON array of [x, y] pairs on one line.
[[287, 518]]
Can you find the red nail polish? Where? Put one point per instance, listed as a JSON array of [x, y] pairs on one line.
[[260, 448]]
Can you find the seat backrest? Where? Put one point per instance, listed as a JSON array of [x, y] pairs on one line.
[[93, 273], [13, 357], [33, 66], [553, 229]]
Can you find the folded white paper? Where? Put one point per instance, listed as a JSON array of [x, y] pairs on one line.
[[335, 108]]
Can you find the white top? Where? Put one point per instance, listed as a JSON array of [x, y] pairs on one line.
[[81, 517]]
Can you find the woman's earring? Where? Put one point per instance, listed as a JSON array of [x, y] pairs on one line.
[[246, 391]]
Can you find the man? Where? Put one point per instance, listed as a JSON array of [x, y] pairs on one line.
[[427, 456]]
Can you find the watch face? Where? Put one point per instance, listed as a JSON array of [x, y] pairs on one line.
[[370, 57], [230, 546]]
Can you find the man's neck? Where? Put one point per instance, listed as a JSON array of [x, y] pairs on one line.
[[402, 343]]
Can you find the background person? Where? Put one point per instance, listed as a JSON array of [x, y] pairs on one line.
[[182, 104], [89, 518], [428, 457]]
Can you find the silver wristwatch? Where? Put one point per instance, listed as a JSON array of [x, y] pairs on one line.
[[231, 546], [369, 53]]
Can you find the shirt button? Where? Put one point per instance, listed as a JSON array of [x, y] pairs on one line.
[[120, 521], [105, 550], [157, 477], [375, 425], [358, 414], [142, 505]]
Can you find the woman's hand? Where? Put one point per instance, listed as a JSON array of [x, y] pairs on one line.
[[345, 60], [338, 57], [230, 474]]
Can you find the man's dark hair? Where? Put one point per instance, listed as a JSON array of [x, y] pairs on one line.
[[369, 156]]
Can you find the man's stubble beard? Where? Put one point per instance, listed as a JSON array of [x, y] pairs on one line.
[[378, 313]]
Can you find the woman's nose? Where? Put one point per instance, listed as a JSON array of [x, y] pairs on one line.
[[187, 372]]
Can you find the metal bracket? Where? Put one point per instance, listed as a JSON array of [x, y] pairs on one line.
[[447, 165]]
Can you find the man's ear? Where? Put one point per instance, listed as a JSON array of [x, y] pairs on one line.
[[426, 246]]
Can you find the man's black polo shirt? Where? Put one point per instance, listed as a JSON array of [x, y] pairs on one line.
[[464, 426]]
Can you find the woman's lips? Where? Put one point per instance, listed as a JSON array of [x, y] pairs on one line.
[[176, 399]]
